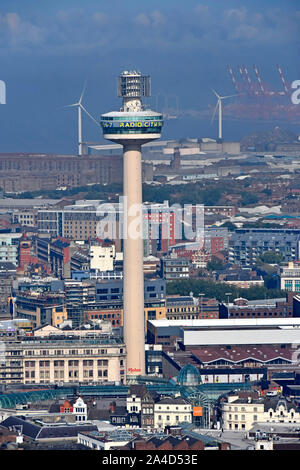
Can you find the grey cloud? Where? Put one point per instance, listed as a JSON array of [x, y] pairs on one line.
[[142, 19], [100, 18], [155, 18], [198, 27], [236, 14], [14, 31], [201, 9]]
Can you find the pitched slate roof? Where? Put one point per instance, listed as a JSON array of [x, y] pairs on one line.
[[173, 401], [35, 432], [138, 390], [56, 432], [27, 428]]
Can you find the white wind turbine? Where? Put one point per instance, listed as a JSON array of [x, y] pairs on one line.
[[219, 105], [80, 108]]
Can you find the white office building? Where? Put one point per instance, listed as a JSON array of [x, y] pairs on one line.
[[290, 277]]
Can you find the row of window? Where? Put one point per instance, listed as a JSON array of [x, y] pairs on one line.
[[60, 352], [131, 118], [183, 309], [258, 314], [138, 130], [72, 363], [60, 374], [184, 418]]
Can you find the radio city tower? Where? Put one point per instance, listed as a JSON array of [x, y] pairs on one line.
[[132, 127]]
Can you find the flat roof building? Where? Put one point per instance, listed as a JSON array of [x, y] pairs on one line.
[[216, 332], [64, 359]]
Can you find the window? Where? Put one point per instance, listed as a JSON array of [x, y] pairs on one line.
[[103, 362], [73, 363], [87, 362], [150, 288]]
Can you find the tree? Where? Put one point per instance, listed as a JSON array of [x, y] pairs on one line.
[[219, 290], [271, 257], [267, 191], [249, 198], [215, 264], [271, 281]]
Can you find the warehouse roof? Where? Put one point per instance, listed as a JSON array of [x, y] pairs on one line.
[[239, 354], [228, 322]]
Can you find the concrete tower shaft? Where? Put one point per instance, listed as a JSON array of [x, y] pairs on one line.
[[133, 276]]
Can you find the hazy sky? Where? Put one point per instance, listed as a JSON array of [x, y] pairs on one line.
[[49, 48]]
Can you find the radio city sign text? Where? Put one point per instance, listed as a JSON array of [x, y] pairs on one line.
[[132, 124]]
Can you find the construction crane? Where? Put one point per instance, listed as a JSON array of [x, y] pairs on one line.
[[259, 79], [252, 88], [235, 83], [258, 100], [285, 86], [247, 75], [245, 83], [262, 88]]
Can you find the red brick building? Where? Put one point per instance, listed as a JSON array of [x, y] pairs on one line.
[[172, 443]]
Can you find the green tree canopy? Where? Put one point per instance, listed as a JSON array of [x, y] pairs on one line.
[[271, 257], [215, 264], [219, 290], [249, 198]]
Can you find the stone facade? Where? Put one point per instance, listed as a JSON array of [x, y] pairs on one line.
[[242, 413]]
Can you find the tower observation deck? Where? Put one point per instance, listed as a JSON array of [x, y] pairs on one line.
[[132, 122], [132, 127]]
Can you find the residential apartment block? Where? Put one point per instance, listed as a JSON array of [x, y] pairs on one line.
[[247, 244]]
